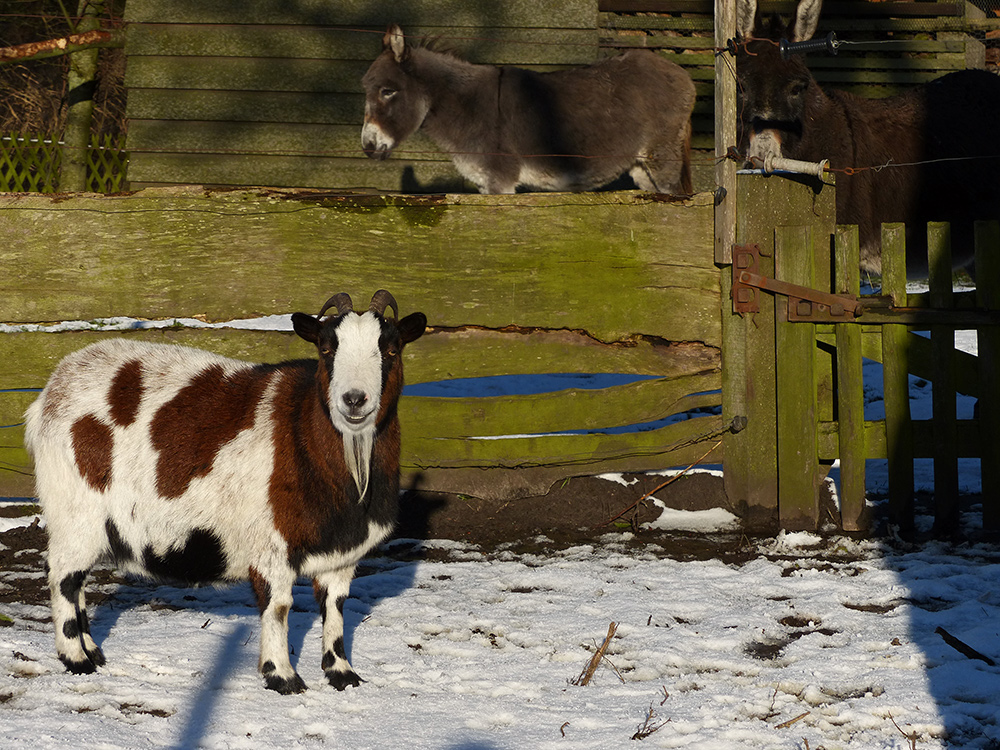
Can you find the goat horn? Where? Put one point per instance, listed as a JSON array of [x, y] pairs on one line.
[[381, 300], [341, 300]]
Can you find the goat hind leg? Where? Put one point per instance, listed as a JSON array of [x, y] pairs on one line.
[[331, 591], [74, 644], [274, 598]]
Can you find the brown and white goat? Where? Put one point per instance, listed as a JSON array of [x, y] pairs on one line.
[[183, 465]]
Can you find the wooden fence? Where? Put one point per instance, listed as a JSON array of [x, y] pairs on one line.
[[793, 371], [269, 93], [586, 283]]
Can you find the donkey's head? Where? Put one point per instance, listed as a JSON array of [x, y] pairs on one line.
[[396, 102], [773, 94]]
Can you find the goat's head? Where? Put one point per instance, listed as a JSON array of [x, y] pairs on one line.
[[773, 93], [360, 373]]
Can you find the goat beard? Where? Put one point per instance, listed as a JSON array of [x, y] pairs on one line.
[[358, 454]]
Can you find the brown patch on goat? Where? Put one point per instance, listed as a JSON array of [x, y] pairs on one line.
[[310, 478], [92, 443], [261, 588], [190, 429], [125, 393]]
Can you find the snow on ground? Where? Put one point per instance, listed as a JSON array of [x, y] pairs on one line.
[[830, 643], [801, 642]]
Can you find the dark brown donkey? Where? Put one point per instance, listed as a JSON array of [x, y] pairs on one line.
[[930, 154], [502, 126]]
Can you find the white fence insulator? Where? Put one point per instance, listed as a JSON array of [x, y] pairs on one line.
[[816, 169]]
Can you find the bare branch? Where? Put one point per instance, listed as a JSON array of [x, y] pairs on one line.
[[62, 46]]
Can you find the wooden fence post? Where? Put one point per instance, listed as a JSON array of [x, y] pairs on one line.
[[852, 448], [945, 425], [81, 82], [895, 379], [796, 377], [988, 298]]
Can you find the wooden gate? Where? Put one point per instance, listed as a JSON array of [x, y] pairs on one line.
[[794, 343]]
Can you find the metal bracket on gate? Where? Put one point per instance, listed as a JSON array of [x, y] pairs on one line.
[[804, 304]]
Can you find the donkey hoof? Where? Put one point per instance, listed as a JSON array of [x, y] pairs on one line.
[[342, 680]]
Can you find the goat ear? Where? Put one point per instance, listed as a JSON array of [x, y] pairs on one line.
[[395, 41], [306, 326], [806, 19], [412, 327]]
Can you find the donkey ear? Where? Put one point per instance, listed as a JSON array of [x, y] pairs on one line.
[[746, 17], [395, 41], [806, 19]]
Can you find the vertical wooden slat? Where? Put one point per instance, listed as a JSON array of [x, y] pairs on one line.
[[725, 132], [850, 388], [898, 426], [988, 298], [796, 374], [945, 429]]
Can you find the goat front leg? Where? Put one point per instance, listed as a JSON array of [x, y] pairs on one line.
[[331, 590]]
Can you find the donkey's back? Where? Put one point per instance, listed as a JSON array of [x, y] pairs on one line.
[[582, 128]]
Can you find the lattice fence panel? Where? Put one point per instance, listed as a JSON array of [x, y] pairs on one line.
[[30, 163]]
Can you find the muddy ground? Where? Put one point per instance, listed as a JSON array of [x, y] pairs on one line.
[[578, 511]]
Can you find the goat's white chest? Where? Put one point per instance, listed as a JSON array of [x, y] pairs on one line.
[[316, 564]]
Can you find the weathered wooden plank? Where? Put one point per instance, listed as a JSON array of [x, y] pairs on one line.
[[787, 7], [561, 411], [612, 264], [943, 392], [441, 354], [498, 483], [247, 74], [494, 45], [850, 388], [240, 170], [899, 435], [796, 382], [378, 13], [988, 298]]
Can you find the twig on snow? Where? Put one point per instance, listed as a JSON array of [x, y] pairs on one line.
[[911, 738], [674, 478], [595, 660], [786, 724], [649, 725], [963, 648]]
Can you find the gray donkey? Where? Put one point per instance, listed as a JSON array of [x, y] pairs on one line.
[[503, 126]]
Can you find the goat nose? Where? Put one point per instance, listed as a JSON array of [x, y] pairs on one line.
[[355, 398]]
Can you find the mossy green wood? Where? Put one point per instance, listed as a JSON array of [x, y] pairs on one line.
[[943, 391], [796, 376], [852, 444], [763, 203], [988, 298], [895, 344], [614, 265], [460, 13]]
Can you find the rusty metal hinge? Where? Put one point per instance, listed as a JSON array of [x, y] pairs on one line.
[[804, 304]]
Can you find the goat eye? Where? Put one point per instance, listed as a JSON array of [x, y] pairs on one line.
[[392, 351], [326, 351]]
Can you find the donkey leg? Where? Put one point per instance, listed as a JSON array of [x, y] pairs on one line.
[[274, 598], [331, 591]]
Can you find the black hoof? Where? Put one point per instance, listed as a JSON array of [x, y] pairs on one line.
[[285, 686], [342, 680], [97, 657], [79, 667]]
